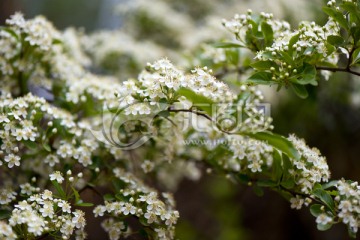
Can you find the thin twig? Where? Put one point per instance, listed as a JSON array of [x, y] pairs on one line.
[[331, 69]]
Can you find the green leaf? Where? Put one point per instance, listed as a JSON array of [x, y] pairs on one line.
[[277, 141], [268, 33], [307, 75], [84, 204], [266, 183], [335, 40], [337, 16], [293, 40], [353, 10], [118, 184], [163, 114], [287, 58], [262, 78], [120, 197], [4, 214], [315, 209], [59, 189], [288, 184], [12, 32], [227, 45], [356, 56], [325, 198], [109, 197], [30, 144], [300, 90], [233, 56], [287, 165], [329, 184], [199, 101], [263, 65], [46, 146], [325, 227], [277, 166], [77, 195]]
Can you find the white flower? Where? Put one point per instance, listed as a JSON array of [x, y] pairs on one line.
[[345, 189], [51, 159], [128, 208], [17, 20], [323, 219], [7, 195], [47, 195], [19, 134], [296, 202], [65, 206], [99, 211], [12, 160], [47, 210], [57, 176], [6, 232]]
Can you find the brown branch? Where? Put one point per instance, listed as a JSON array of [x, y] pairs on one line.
[[345, 69], [93, 189], [191, 111], [200, 114], [331, 69]]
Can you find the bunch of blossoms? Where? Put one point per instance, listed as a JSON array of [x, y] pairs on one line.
[[23, 40], [171, 86], [344, 208], [45, 214], [162, 81], [42, 63], [243, 25], [285, 57], [137, 200], [38, 30], [248, 155], [348, 202], [310, 168], [310, 40], [6, 232], [19, 135]]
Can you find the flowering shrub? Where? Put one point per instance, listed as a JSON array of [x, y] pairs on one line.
[[65, 129]]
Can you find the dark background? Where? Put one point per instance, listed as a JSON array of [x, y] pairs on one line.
[[214, 208]]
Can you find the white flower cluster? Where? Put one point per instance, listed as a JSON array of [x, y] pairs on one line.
[[142, 202], [254, 116], [64, 60], [310, 168], [242, 23], [349, 204], [6, 232], [248, 154], [39, 31], [7, 195], [18, 120], [10, 47], [43, 213], [72, 40], [162, 79], [311, 39], [114, 228]]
